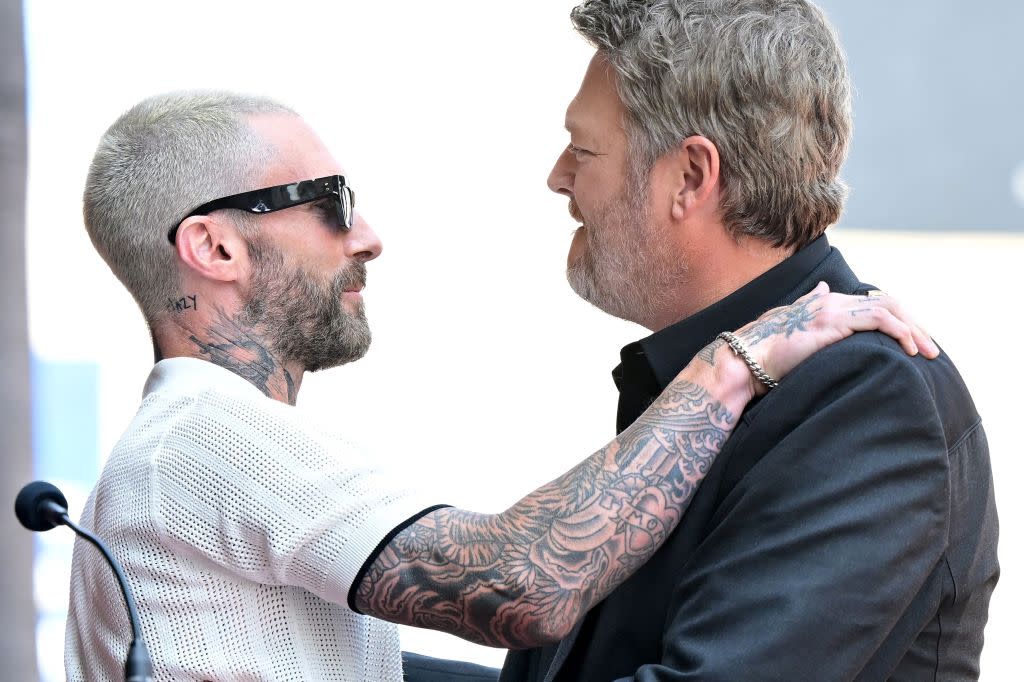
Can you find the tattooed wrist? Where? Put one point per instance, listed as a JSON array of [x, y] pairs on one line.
[[707, 353]]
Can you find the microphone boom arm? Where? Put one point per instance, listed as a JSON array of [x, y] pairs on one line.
[[41, 506], [126, 590]]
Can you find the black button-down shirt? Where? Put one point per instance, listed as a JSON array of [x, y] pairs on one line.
[[847, 529]]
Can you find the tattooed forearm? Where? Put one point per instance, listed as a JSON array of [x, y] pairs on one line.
[[523, 577]]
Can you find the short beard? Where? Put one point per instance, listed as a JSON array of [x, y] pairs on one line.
[[304, 320], [626, 266]]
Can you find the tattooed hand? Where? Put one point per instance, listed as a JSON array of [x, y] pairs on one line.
[[784, 337]]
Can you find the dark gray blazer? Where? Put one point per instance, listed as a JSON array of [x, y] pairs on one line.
[[847, 530]]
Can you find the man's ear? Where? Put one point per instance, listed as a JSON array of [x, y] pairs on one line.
[[212, 248], [695, 172]]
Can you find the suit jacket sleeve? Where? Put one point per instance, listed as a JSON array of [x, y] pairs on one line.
[[819, 547]]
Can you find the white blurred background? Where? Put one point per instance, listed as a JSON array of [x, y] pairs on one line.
[[487, 376]]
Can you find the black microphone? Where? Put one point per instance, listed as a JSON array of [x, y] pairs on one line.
[[41, 506]]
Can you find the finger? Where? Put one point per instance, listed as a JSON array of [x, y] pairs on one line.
[[925, 342], [884, 321], [922, 339], [921, 336]]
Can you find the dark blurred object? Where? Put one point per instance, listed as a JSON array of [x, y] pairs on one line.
[[938, 99], [426, 669], [17, 618]]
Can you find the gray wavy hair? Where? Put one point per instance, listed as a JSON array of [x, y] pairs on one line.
[[764, 80], [159, 160]]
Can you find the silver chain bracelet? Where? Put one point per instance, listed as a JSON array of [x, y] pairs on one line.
[[756, 369]]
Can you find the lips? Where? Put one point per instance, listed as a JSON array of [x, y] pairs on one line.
[[574, 211], [351, 280]]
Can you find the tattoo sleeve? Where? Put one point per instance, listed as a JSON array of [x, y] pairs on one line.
[[523, 577]]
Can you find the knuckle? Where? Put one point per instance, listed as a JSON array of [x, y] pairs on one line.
[[829, 318]]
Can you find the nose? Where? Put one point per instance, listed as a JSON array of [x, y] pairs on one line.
[[563, 173], [362, 243]]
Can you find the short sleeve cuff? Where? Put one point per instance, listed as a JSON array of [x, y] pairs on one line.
[[379, 546]]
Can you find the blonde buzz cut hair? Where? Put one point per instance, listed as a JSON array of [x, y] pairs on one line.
[[160, 159]]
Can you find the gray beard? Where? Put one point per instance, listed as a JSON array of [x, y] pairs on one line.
[[302, 320], [619, 278], [607, 289]]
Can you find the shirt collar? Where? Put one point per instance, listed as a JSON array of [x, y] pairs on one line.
[[191, 375], [666, 352]]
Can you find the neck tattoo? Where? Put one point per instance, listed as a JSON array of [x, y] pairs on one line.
[[235, 347]]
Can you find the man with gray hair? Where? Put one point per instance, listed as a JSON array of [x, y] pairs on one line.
[[848, 530], [255, 540]]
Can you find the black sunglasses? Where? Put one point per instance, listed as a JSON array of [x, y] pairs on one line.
[[270, 199]]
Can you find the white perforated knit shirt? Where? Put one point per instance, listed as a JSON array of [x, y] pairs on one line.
[[240, 527]]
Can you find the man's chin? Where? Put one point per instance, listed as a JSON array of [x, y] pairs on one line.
[[584, 284], [345, 357], [347, 341]]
